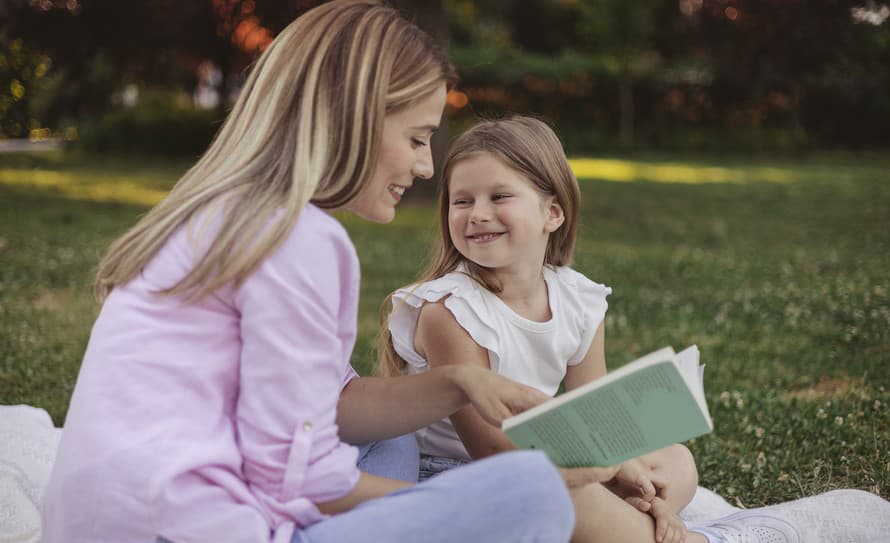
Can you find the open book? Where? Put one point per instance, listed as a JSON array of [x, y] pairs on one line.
[[650, 403]]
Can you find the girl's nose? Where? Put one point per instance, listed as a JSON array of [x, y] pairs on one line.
[[480, 213]]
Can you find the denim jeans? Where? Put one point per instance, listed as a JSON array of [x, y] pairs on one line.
[[430, 466], [397, 458], [516, 497]]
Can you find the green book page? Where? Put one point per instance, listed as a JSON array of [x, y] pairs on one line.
[[636, 414]]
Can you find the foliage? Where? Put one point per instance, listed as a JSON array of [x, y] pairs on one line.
[[634, 72], [658, 67], [98, 46], [160, 123], [776, 269], [21, 73]]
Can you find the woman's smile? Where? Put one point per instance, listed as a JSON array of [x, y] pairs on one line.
[[397, 191]]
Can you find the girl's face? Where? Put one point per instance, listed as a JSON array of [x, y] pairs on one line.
[[404, 155], [497, 218]]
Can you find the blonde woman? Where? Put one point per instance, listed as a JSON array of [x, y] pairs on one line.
[[216, 400], [499, 295]]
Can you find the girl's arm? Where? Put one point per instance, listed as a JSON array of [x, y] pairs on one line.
[[668, 473], [443, 342], [593, 366]]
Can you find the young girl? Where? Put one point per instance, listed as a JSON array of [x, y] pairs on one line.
[[499, 295], [215, 402]]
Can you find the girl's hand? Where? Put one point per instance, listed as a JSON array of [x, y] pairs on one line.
[[668, 526], [495, 397]]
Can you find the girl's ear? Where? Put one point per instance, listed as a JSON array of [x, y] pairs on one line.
[[555, 216]]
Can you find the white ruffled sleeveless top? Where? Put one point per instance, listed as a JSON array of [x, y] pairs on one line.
[[529, 352]]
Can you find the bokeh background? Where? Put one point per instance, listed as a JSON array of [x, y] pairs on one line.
[[733, 156], [616, 75]]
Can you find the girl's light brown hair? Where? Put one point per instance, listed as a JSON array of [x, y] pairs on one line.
[[306, 127], [530, 147]]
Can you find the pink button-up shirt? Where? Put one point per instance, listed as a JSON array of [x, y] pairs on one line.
[[213, 422]]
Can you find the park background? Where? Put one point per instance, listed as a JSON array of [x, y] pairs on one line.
[[733, 158]]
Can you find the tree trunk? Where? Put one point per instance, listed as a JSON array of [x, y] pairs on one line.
[[797, 130], [626, 111]]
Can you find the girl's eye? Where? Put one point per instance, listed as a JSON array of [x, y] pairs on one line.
[[417, 143], [459, 202], [500, 196]]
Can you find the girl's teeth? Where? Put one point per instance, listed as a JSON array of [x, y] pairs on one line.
[[398, 190]]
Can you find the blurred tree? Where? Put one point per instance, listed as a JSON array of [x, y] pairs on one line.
[[770, 54], [622, 32], [21, 69], [96, 45], [581, 38], [638, 67]]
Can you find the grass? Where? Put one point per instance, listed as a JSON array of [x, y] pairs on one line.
[[777, 269]]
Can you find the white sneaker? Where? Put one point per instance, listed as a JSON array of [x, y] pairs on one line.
[[839, 516], [754, 526]]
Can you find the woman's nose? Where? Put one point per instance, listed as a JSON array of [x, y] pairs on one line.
[[423, 168]]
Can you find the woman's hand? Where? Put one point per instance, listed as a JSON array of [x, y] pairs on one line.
[[495, 397]]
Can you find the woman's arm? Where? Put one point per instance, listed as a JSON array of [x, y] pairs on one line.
[[375, 408], [368, 487]]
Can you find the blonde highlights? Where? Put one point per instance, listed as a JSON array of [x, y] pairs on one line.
[[306, 127], [530, 147]]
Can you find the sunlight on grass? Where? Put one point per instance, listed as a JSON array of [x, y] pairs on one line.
[[671, 172], [125, 190]]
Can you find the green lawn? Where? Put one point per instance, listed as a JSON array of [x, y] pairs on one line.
[[778, 270]]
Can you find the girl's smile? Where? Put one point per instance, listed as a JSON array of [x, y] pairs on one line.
[[485, 237]]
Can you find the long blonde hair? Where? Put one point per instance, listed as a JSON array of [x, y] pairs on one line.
[[528, 146], [306, 127]]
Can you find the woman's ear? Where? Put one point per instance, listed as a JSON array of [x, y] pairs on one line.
[[555, 215]]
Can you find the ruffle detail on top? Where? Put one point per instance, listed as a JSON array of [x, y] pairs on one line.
[[588, 301], [463, 293]]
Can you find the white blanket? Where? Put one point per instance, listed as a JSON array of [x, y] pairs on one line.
[[28, 443]]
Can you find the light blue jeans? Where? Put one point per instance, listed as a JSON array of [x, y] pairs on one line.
[[516, 497], [430, 466]]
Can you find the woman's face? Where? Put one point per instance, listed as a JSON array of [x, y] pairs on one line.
[[404, 155]]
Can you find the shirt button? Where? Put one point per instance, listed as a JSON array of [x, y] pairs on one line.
[[307, 426]]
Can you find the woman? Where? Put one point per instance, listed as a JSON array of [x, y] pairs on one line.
[[209, 405]]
